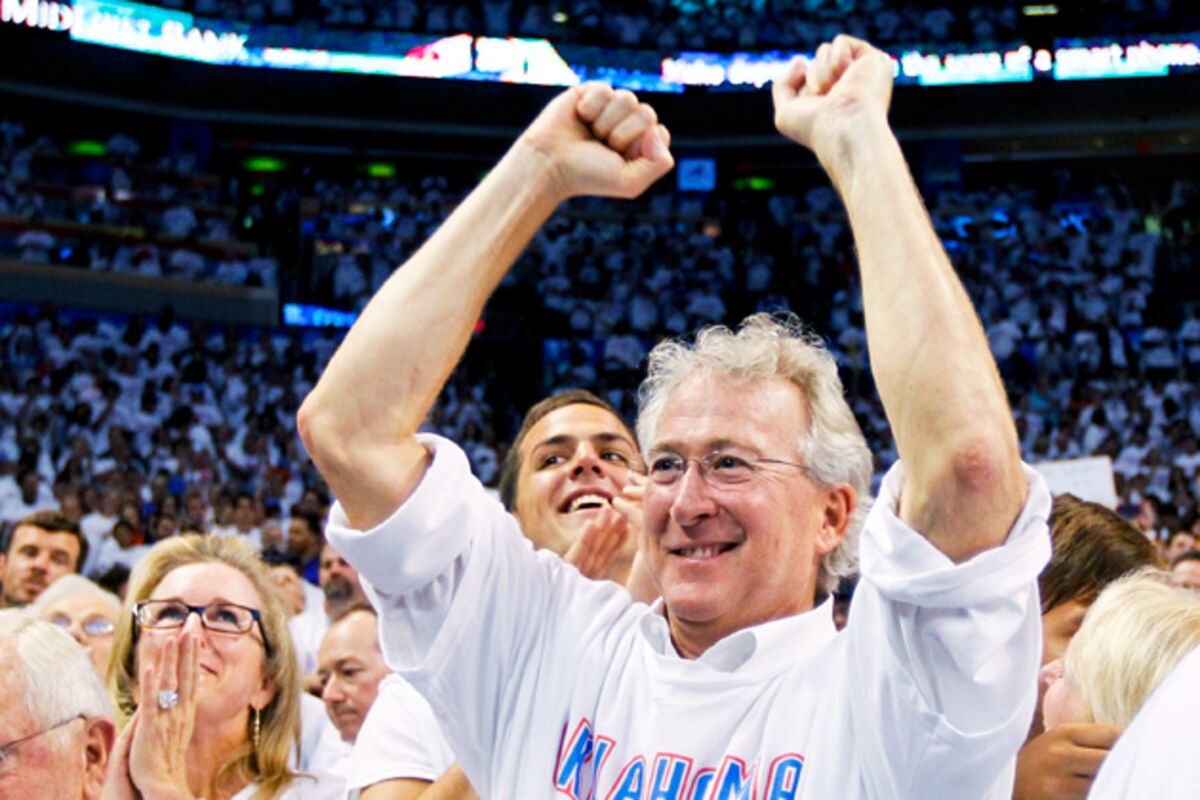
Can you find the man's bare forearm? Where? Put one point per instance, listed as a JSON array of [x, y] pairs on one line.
[[929, 355], [359, 421], [930, 358]]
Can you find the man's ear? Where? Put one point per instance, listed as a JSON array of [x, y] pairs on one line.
[[99, 735], [840, 502]]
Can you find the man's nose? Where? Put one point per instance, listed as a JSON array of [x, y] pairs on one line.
[[693, 497], [332, 691], [586, 458]]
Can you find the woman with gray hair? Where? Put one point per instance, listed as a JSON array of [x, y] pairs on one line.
[[84, 610], [56, 732]]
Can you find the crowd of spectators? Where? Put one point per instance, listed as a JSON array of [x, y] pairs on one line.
[[111, 206], [171, 426], [710, 25]]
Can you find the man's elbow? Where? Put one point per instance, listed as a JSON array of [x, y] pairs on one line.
[[317, 424], [986, 466], [979, 493]]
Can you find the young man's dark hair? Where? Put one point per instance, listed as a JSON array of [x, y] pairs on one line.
[[1093, 546], [1190, 555], [512, 461], [313, 520], [51, 522]]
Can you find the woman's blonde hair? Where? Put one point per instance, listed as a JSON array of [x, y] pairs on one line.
[[1135, 633], [280, 718]]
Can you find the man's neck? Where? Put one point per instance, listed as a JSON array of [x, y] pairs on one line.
[[692, 639]]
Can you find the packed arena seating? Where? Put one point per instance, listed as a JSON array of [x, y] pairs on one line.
[[1086, 292], [180, 268], [108, 205], [709, 25]]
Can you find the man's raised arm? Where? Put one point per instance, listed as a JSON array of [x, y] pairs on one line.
[[940, 388], [359, 422]]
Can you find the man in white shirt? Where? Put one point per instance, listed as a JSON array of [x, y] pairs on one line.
[[30, 497], [737, 682], [562, 509], [351, 667]]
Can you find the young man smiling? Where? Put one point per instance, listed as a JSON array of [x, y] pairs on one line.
[[737, 684], [571, 458]]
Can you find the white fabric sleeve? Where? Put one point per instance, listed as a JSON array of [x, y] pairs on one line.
[[946, 655], [469, 614], [400, 738], [418, 553]]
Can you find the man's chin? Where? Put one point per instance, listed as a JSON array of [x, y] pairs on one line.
[[691, 607]]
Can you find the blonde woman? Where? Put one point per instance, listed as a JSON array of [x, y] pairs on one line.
[[1135, 633], [203, 671]]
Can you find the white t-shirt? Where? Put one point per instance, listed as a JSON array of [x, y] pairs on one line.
[[549, 684], [308, 628], [400, 738], [1155, 756]]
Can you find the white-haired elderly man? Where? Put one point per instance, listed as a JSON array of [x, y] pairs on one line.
[[736, 684], [56, 729]]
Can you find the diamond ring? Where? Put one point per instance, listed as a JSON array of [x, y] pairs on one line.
[[168, 699]]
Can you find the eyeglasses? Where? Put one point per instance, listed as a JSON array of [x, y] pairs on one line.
[[7, 750], [219, 617], [718, 468], [92, 626]]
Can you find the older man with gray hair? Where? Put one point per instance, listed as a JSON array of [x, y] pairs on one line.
[[736, 684], [56, 732]]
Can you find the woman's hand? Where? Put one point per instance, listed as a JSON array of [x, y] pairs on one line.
[[118, 784], [162, 730]]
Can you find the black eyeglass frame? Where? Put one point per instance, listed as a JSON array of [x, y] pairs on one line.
[[199, 612]]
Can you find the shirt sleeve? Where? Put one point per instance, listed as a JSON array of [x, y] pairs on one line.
[[947, 654], [470, 615], [400, 739]]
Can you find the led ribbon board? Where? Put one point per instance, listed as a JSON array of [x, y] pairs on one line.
[[177, 34]]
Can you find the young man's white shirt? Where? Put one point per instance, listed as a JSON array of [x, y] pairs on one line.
[[548, 684], [400, 739]]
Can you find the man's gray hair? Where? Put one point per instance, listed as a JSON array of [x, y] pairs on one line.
[[57, 679], [833, 449]]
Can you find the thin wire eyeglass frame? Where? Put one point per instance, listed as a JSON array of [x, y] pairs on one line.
[[8, 748], [710, 475]]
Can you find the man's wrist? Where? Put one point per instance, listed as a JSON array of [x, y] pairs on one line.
[[853, 145], [536, 171]]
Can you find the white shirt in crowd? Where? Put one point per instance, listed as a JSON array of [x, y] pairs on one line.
[[400, 739], [308, 628], [547, 683]]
